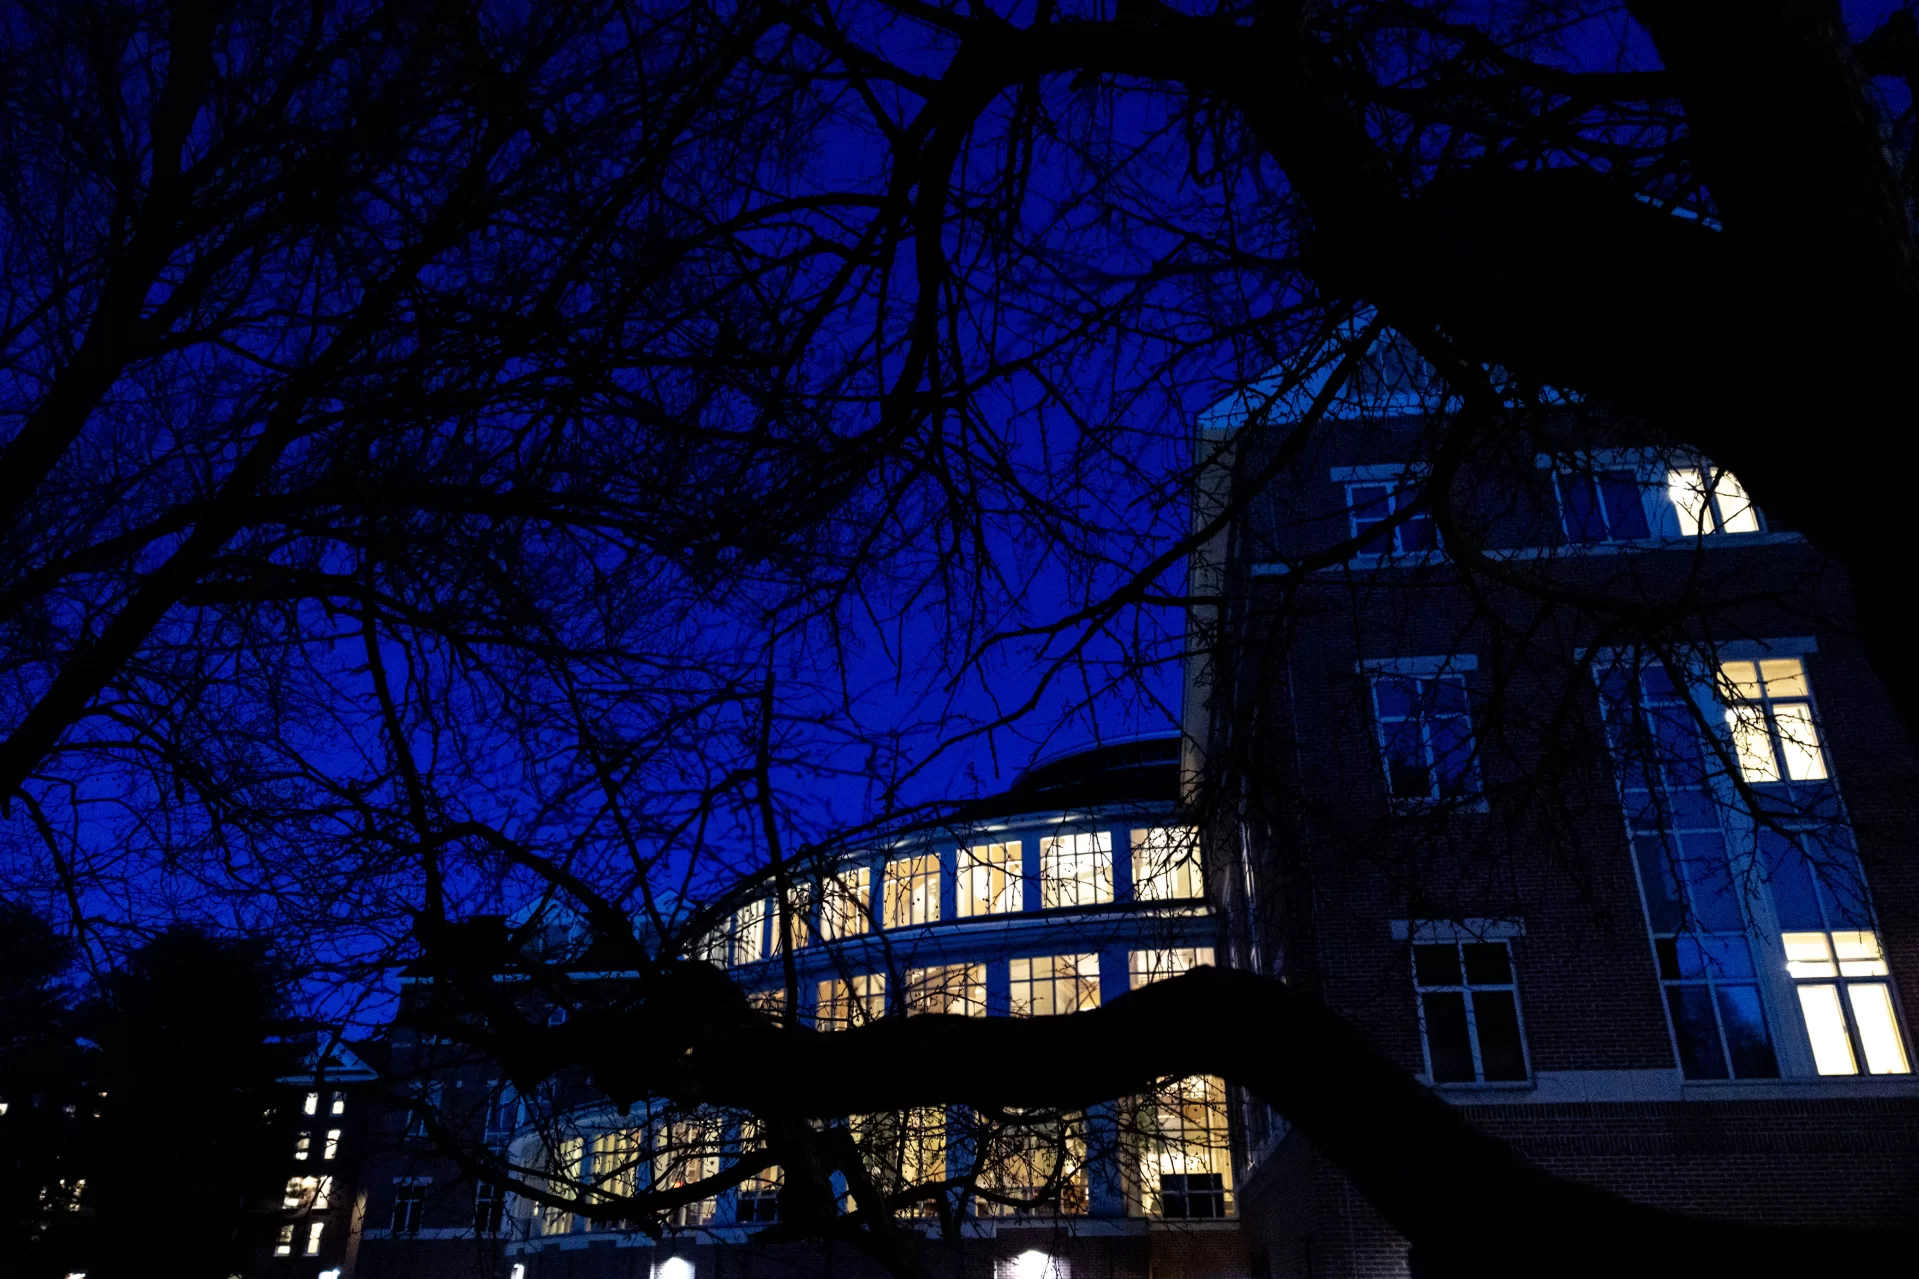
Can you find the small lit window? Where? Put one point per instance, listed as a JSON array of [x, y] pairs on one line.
[[846, 903], [912, 891], [1602, 506], [1369, 506], [1769, 709], [797, 923], [313, 1103], [339, 1104], [313, 1238], [1149, 966], [1425, 736], [1469, 1012], [1076, 870], [853, 1002], [1710, 501], [332, 1150], [301, 1145], [284, 1246], [989, 880], [409, 1204], [1046, 985], [299, 1192], [955, 989], [1166, 864], [1859, 1026]]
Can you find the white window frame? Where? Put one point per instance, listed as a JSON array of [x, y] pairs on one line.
[[1467, 989]]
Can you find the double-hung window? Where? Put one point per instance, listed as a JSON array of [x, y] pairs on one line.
[[1769, 710], [1371, 508], [1425, 733], [1469, 1012]]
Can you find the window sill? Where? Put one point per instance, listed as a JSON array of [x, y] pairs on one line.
[[1571, 550]]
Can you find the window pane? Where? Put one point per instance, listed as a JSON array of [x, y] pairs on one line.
[[1585, 520], [990, 880], [1397, 696], [1790, 879], [1418, 534], [1453, 755], [1826, 1027], [1752, 744], [846, 903], [1657, 870], [1783, 676], [1746, 1037], [1687, 491], [1625, 508], [1714, 899], [912, 891], [1487, 964], [1436, 965], [1148, 966], [1700, 1055], [1496, 1017], [1076, 870], [1741, 680], [1878, 1028], [1736, 513], [1446, 1041], [1407, 776], [1166, 864], [1799, 742]]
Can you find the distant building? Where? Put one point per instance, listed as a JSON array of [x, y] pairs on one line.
[[1079, 882], [1633, 886]]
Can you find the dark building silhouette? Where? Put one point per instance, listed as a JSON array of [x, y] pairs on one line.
[[1566, 780]]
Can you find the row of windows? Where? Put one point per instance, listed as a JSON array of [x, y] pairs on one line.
[[1074, 869], [1173, 1148], [1604, 504], [1037, 986]]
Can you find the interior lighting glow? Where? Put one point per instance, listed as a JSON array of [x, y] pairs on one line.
[[673, 1268]]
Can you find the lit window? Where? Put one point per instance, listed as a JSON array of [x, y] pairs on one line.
[[853, 1002], [749, 932], [1862, 1024], [1602, 506], [301, 1144], [798, 916], [757, 1199], [912, 891], [686, 1153], [332, 1150], [1370, 505], [903, 1149], [1469, 1012], [489, 1208], [313, 1103], [1046, 985], [1710, 501], [846, 903], [771, 1002], [1181, 1153], [1425, 735], [339, 1104], [313, 1238], [1076, 870], [1832, 951], [1023, 1168], [955, 989], [299, 1192], [1149, 966], [323, 1193], [1769, 709], [989, 880], [1166, 864], [409, 1205], [284, 1246]]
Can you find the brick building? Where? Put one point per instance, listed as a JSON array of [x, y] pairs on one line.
[[1551, 763]]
